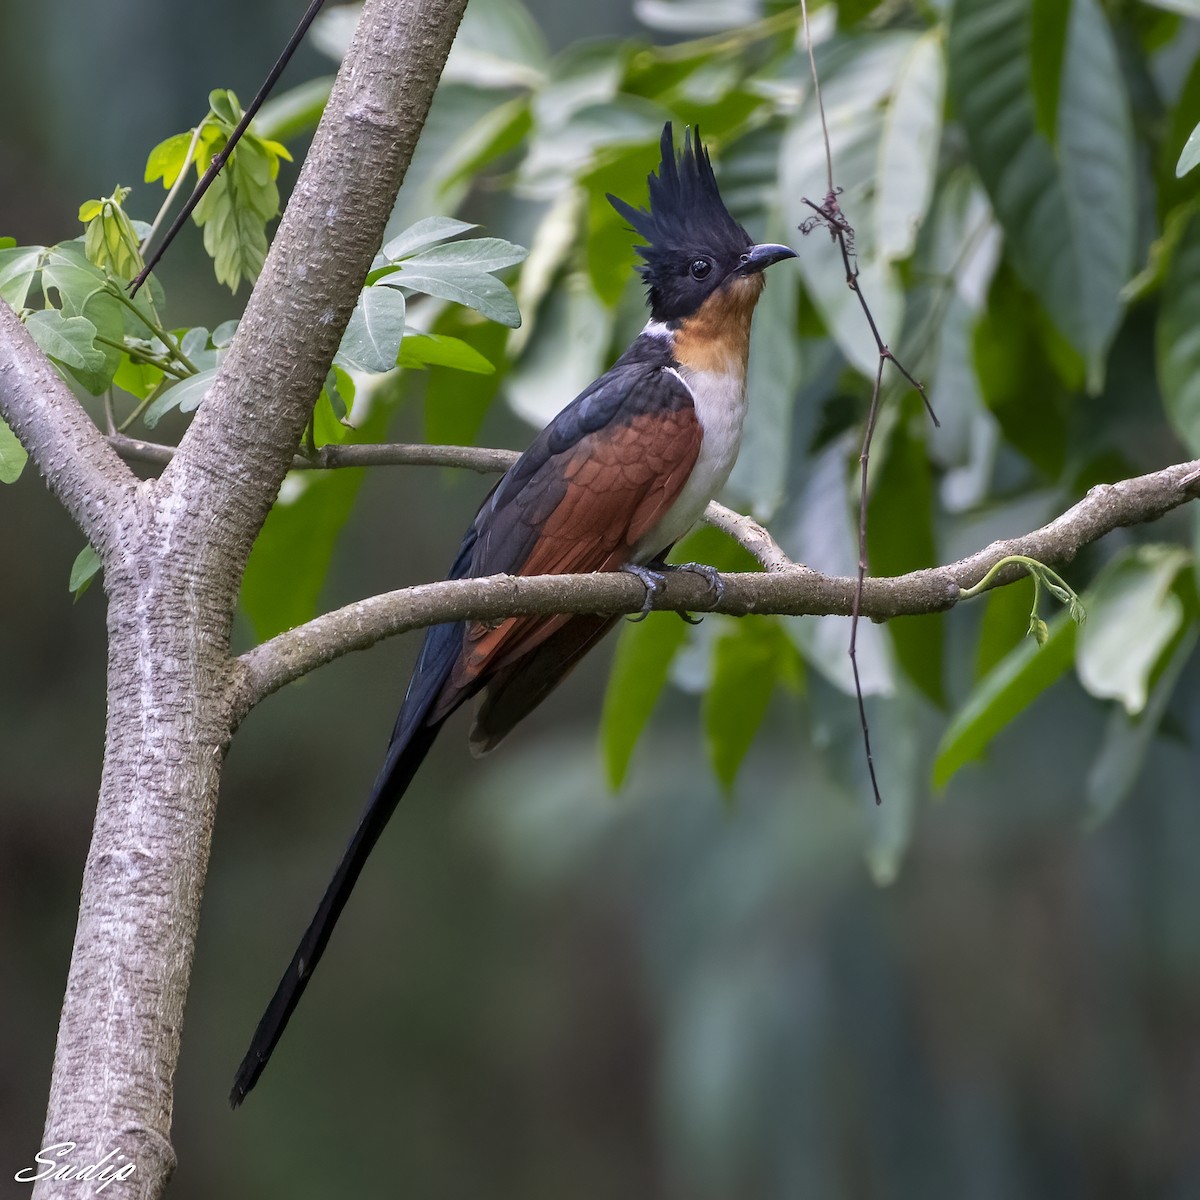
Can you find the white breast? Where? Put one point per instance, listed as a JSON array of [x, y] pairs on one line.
[[720, 400]]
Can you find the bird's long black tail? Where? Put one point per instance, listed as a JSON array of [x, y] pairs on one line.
[[389, 789], [413, 735]]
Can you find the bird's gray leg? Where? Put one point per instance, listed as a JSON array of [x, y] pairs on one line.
[[710, 575], [654, 579]]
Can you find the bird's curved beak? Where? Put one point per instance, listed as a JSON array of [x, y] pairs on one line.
[[759, 258]]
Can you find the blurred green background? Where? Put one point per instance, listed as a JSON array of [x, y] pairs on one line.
[[542, 988]]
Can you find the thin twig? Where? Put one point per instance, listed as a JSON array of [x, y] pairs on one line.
[[750, 535], [863, 459], [830, 215], [812, 63], [747, 532], [483, 459]]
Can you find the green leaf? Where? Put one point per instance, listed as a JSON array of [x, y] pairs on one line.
[[240, 201], [824, 536], [696, 16], [274, 152], [149, 302], [67, 340], [420, 350], [194, 341], [499, 45], [608, 239], [423, 234], [225, 105], [745, 664], [1047, 49], [645, 651], [373, 336], [110, 241], [327, 426], [105, 315], [1190, 155], [83, 290], [1002, 695], [340, 389], [478, 254], [169, 159], [18, 269], [473, 289], [12, 455], [858, 77], [1068, 207], [222, 336], [1011, 365], [909, 145], [83, 571], [137, 378], [185, 396], [1127, 738], [1133, 614], [75, 279], [563, 150], [1177, 339], [1163, 252], [7, 243]]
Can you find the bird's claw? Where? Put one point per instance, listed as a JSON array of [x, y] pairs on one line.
[[654, 579], [710, 575]]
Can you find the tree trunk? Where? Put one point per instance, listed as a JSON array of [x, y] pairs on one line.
[[174, 551], [119, 1036]]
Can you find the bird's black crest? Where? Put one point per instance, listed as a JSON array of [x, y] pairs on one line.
[[686, 216]]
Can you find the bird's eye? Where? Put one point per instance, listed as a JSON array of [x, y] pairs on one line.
[[700, 268]]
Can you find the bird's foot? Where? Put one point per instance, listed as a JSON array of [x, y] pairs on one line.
[[710, 575], [654, 578]]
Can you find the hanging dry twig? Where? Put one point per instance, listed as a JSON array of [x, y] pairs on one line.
[[829, 215]]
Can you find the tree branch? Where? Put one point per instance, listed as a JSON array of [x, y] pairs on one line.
[[786, 590], [750, 535], [381, 454], [744, 530], [82, 471]]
